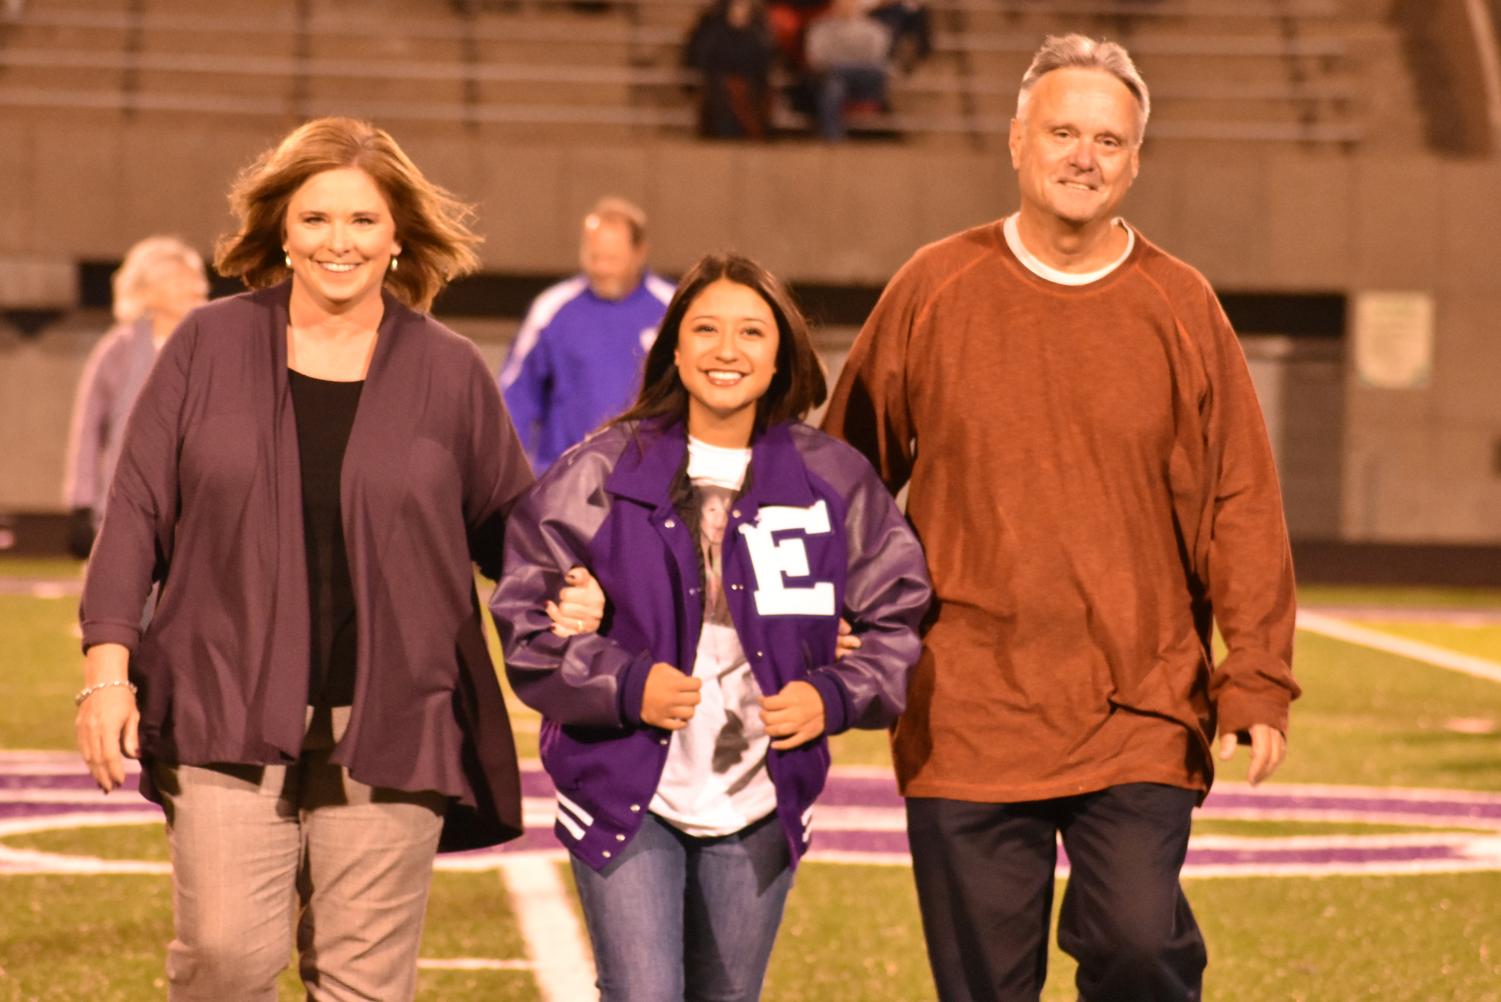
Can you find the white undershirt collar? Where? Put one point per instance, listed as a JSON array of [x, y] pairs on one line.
[[1036, 266], [716, 464]]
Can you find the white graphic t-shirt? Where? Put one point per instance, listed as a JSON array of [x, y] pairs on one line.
[[715, 781]]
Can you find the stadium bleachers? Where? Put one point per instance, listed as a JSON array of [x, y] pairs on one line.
[[1290, 71]]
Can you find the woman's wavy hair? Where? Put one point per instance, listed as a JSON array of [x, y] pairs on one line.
[[798, 385], [433, 227]]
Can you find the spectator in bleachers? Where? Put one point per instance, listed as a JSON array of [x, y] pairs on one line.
[[161, 279], [848, 54], [789, 20], [577, 358], [911, 30], [731, 46], [310, 473]]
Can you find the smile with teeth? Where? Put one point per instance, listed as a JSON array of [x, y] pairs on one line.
[[724, 377], [338, 267]]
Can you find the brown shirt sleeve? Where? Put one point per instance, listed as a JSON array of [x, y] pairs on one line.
[[1249, 573], [869, 406]]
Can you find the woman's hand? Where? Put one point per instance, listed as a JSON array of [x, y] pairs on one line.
[[580, 606], [793, 716], [107, 723], [846, 642], [670, 697]]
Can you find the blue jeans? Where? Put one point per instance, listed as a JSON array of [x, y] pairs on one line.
[[676, 918], [841, 84]]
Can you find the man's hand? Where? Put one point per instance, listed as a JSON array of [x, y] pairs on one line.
[[1268, 749], [580, 606], [670, 697], [793, 716]]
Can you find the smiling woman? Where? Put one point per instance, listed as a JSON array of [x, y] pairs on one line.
[[318, 710], [688, 736]]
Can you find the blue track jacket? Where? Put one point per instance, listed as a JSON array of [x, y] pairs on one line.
[[577, 361]]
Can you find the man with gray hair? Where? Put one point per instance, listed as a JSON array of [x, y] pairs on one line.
[[160, 280], [1090, 475]]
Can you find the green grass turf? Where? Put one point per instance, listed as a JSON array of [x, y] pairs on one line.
[[42, 670], [1479, 641], [1400, 939], [1371, 718], [67, 938], [40, 567], [1419, 598], [851, 932], [147, 842]]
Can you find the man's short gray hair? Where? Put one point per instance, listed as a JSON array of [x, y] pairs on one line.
[[142, 267], [1077, 51]]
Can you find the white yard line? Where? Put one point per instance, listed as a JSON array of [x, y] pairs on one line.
[[555, 940], [472, 964], [1441, 657]]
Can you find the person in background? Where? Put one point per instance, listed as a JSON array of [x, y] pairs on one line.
[[911, 25], [731, 47], [848, 54], [1091, 478], [311, 473], [577, 358], [160, 280], [688, 737]]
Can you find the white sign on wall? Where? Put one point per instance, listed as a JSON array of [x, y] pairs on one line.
[[1393, 337]]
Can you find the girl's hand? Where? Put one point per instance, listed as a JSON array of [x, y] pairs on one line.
[[793, 716], [670, 697], [580, 606]]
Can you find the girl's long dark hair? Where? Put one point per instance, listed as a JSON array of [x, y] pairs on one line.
[[798, 385]]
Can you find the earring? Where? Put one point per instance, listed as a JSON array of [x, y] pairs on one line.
[[394, 259], [287, 257]]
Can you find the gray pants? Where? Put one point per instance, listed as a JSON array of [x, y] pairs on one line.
[[259, 850]]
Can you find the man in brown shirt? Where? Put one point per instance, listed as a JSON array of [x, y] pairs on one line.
[[1091, 478]]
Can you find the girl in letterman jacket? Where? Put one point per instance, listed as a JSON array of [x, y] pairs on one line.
[[688, 737]]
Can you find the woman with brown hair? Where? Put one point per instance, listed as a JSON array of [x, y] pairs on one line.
[[310, 474], [687, 738]]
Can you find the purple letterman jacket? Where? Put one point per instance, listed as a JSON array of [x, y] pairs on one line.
[[814, 536], [207, 501]]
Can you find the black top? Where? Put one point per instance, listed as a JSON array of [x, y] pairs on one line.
[[325, 414]]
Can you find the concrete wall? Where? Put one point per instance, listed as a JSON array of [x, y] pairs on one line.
[[1412, 465]]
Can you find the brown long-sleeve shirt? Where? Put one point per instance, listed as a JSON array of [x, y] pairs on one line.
[[1091, 479]]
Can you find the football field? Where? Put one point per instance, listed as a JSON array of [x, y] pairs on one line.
[[1370, 868]]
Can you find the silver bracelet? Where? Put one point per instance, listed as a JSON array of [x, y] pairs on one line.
[[89, 690]]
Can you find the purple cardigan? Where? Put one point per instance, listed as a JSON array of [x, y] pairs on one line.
[[207, 500]]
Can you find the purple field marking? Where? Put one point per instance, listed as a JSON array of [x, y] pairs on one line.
[[874, 791], [39, 775], [114, 805], [1374, 805]]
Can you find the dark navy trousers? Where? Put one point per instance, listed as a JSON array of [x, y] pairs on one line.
[[985, 887]]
